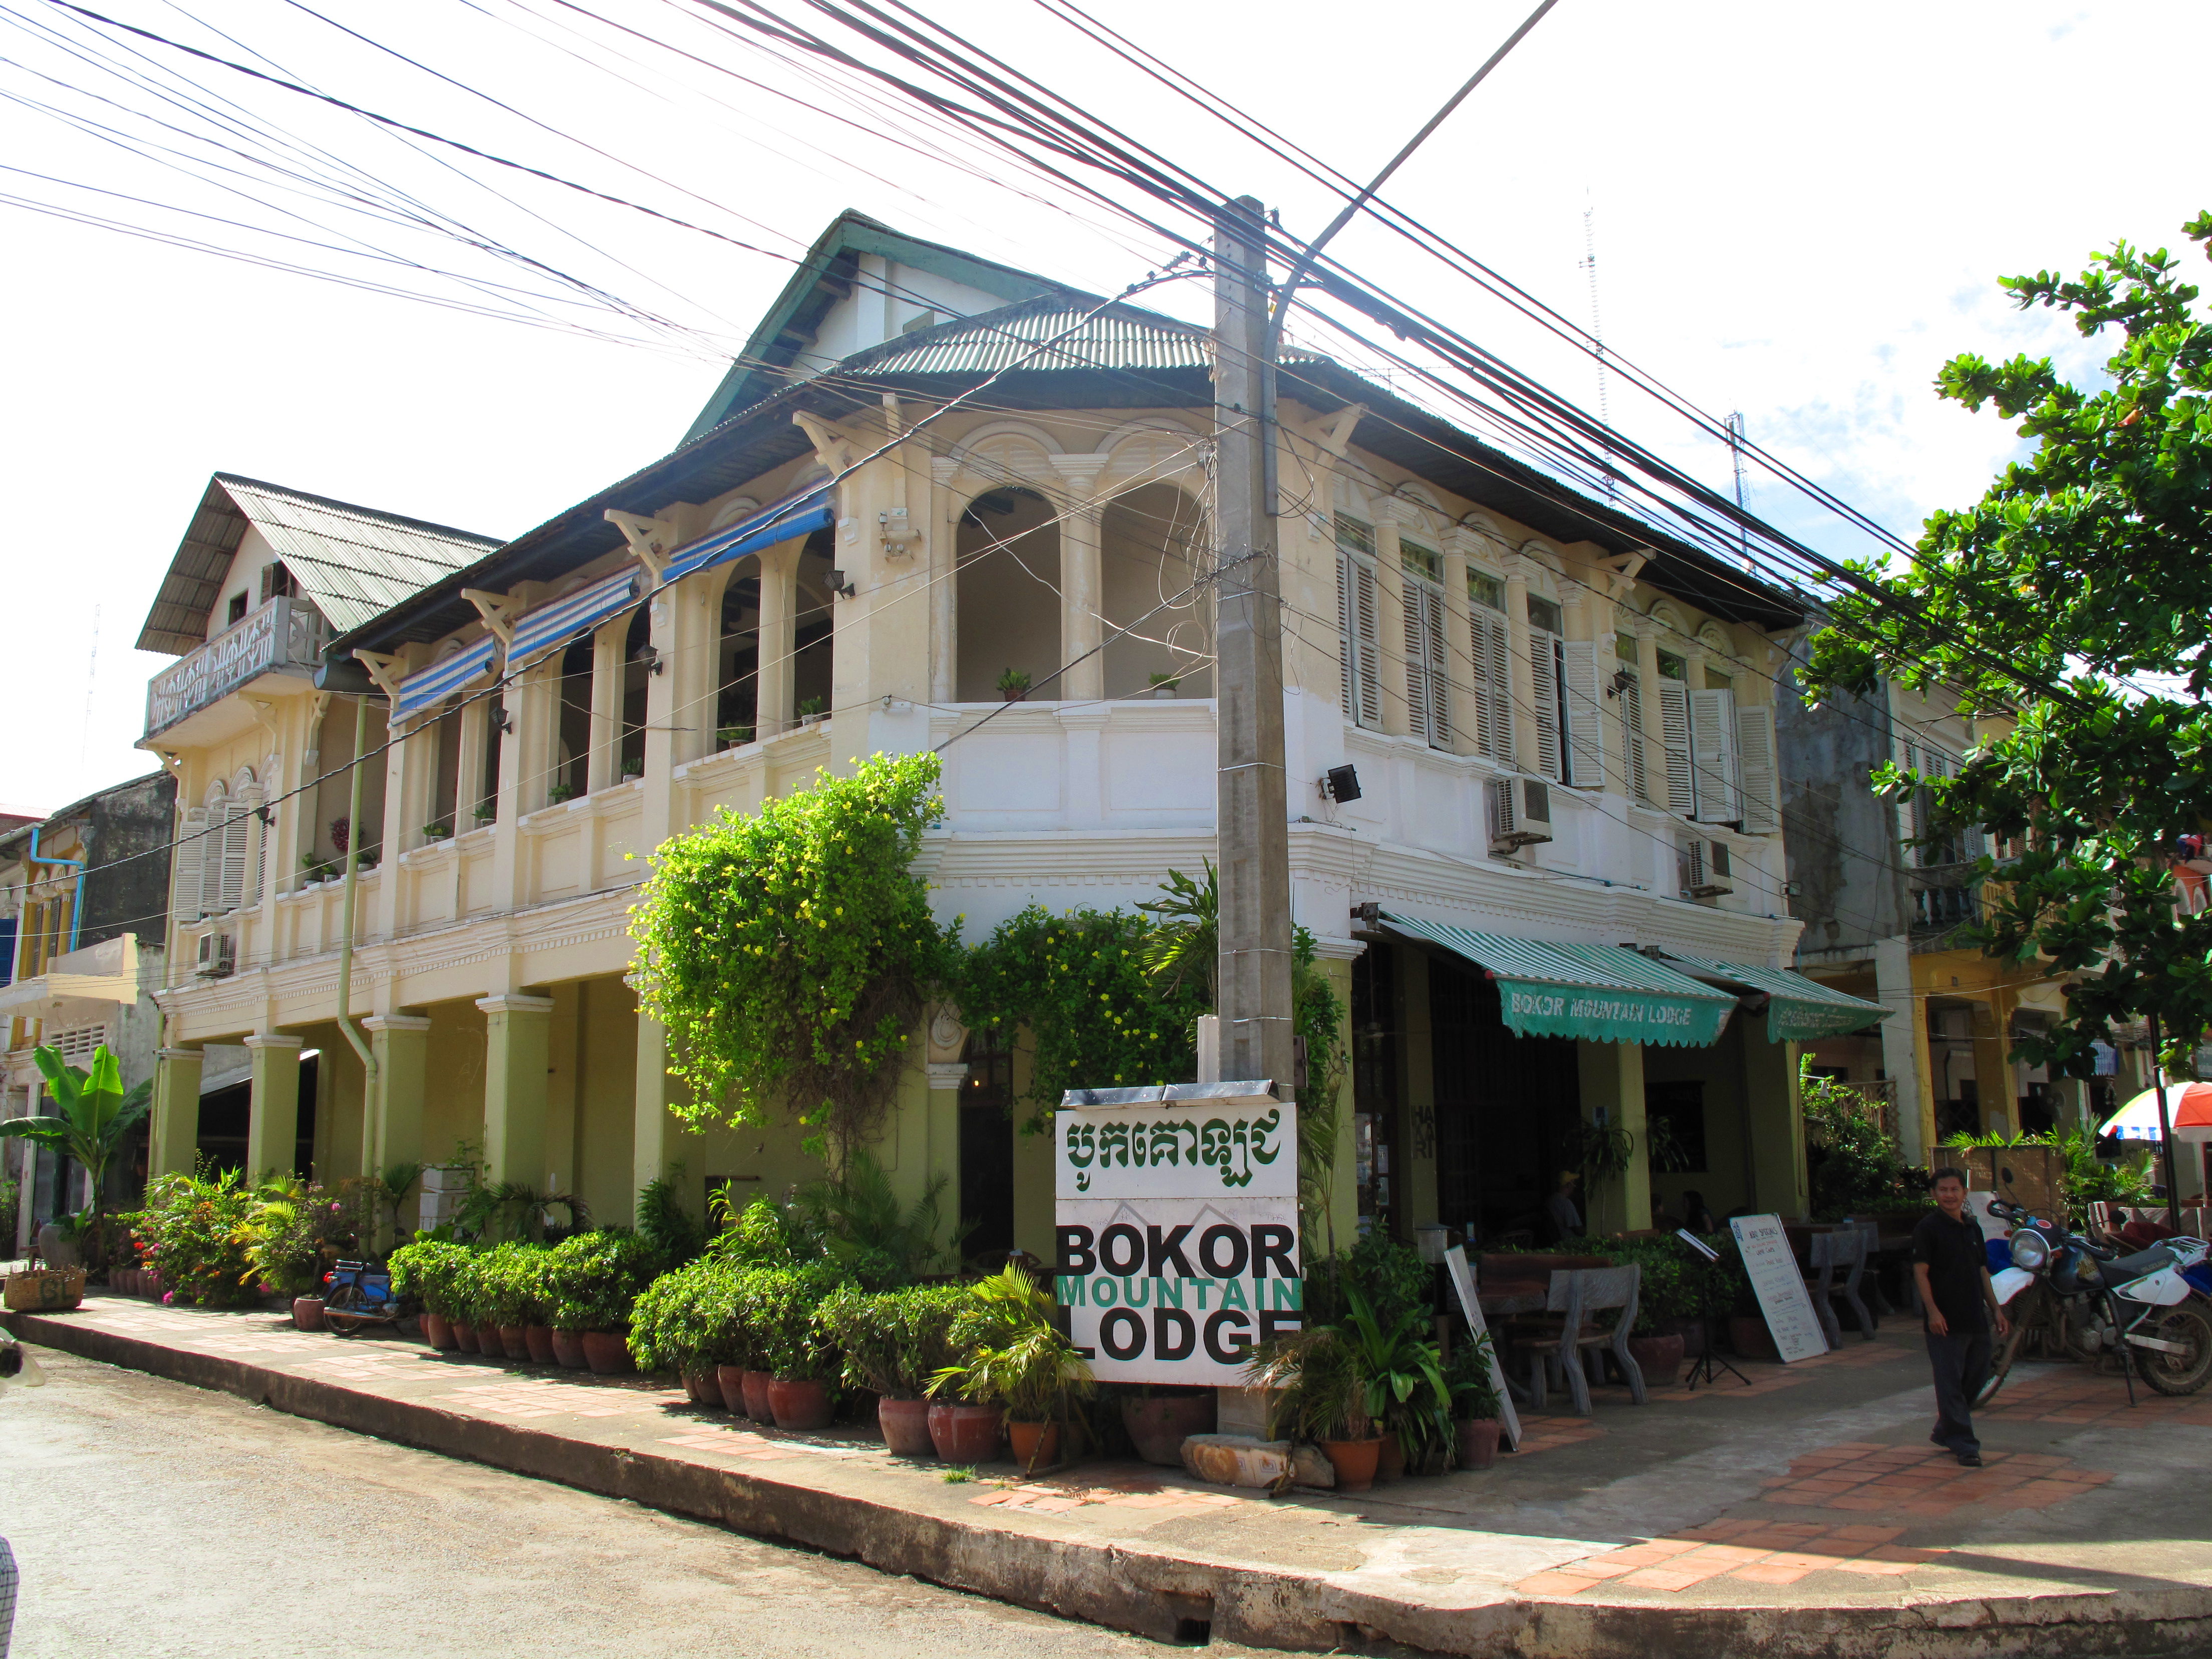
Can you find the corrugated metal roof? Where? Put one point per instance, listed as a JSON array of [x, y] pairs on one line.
[[354, 562], [1115, 339]]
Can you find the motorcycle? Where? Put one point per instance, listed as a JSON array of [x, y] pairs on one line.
[[2086, 1301], [357, 1296]]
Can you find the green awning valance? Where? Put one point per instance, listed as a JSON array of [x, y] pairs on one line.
[[1598, 993], [1798, 1009]]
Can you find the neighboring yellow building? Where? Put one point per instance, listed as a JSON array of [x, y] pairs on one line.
[[1560, 719]]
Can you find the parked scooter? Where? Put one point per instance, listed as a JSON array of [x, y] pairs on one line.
[[2089, 1302]]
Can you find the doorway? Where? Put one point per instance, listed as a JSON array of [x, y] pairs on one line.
[[987, 1152]]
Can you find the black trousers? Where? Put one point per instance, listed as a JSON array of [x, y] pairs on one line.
[[1961, 1364]]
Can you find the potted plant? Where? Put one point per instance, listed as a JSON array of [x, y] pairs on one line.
[[1160, 1418], [893, 1343], [91, 1115], [734, 737], [486, 812], [677, 1326], [1669, 1294], [1476, 1408], [801, 1363], [634, 767], [1164, 685], [1017, 1360], [1322, 1398], [1406, 1389], [284, 1249], [1014, 684], [593, 1280], [512, 1297], [810, 711], [436, 831], [559, 792], [426, 1270], [462, 1287]]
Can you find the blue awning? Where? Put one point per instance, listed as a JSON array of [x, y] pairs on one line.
[[793, 516], [546, 627], [429, 687]]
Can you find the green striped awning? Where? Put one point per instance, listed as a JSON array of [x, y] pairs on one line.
[[1798, 1009], [1598, 993]]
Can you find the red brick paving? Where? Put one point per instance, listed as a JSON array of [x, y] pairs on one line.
[[2076, 1394], [1751, 1552], [1867, 1477]]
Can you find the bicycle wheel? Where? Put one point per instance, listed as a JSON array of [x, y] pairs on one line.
[[2184, 1325]]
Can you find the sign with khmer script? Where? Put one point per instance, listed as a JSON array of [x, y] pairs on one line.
[[1178, 1228]]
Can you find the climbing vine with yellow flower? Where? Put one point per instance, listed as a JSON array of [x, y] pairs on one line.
[[787, 951]]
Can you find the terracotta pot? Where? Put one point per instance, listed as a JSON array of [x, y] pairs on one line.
[[905, 1424], [464, 1335], [800, 1404], [1659, 1358], [731, 1380], [1749, 1337], [607, 1352], [515, 1340], [568, 1349], [1353, 1461], [1692, 1333], [539, 1338], [704, 1390], [1478, 1441], [964, 1434], [308, 1312], [1036, 1446], [436, 1331], [1158, 1426], [1389, 1459], [754, 1390]]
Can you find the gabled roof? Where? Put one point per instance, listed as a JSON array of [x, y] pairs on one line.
[[355, 563], [825, 277]]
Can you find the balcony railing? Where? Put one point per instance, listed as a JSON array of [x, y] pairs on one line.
[[1942, 899], [285, 635]]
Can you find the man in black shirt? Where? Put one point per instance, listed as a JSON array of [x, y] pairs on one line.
[[1957, 1302]]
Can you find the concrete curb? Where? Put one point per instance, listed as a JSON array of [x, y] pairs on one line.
[[1169, 1597]]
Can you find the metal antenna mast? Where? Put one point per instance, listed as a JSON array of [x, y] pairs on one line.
[[1597, 328]]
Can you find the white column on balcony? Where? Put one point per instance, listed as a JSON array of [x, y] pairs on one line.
[[1390, 613], [1525, 746], [1654, 737], [1459, 545], [469, 790], [946, 508], [779, 613], [1082, 578], [603, 761]]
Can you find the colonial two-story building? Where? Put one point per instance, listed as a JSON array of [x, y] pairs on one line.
[[1549, 883]]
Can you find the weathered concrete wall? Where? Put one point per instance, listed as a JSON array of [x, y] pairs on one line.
[[126, 883], [1840, 837]]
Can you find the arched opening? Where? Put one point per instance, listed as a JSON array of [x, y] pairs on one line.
[[1007, 593], [736, 657], [1150, 543], [637, 675], [571, 758], [446, 781], [813, 645]]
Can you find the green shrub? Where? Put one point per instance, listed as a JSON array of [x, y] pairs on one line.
[[1010, 1353], [1676, 1283], [430, 1271], [893, 1342], [761, 1235], [593, 1280], [197, 1233], [512, 1284], [1391, 1277], [686, 1320], [662, 1222], [776, 1307]]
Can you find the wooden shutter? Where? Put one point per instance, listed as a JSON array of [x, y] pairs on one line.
[[1754, 749], [1675, 737], [1490, 647], [191, 852], [257, 847], [1428, 690], [1359, 640], [1712, 755], [230, 873], [1631, 704], [1544, 664], [1585, 714], [218, 812]]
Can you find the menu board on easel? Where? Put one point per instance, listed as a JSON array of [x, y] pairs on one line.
[[1463, 1282], [1780, 1284]]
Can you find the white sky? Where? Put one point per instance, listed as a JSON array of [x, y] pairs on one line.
[[1799, 212]]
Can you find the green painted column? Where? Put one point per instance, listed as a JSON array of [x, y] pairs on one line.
[[1612, 1077], [175, 1134], [1776, 1120], [518, 1051], [272, 1123], [651, 1125], [391, 1121]]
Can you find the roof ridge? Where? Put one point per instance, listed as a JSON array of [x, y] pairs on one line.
[[355, 509]]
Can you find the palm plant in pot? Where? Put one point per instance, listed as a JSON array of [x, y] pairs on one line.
[[1406, 1389], [1320, 1382], [893, 1343], [1017, 1361]]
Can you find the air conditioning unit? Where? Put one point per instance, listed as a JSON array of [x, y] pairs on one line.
[[1520, 813], [1702, 866], [218, 956]]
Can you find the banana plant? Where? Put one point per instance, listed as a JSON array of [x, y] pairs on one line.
[[92, 1114]]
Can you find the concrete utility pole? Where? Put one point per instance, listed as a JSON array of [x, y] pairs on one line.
[[1251, 803]]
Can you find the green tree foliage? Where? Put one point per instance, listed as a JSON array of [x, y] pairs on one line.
[[2076, 592], [91, 1115], [786, 951], [1854, 1165]]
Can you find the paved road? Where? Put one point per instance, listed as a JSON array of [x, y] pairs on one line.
[[153, 1520]]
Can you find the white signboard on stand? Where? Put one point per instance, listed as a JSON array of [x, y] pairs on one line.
[[1470, 1304], [1779, 1284], [1176, 1229]]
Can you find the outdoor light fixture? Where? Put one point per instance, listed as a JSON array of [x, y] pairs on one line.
[[1340, 784], [650, 656], [841, 586], [501, 721]]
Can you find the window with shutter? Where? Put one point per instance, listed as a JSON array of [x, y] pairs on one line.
[[1428, 689], [256, 850], [1675, 737], [1585, 702], [1630, 701], [1754, 749], [190, 852], [224, 878], [1490, 667], [218, 815], [1359, 639], [1544, 667], [1712, 755]]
